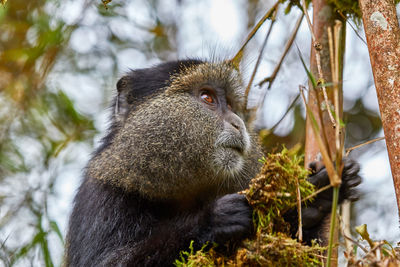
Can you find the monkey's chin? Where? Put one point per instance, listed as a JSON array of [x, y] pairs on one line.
[[228, 161]]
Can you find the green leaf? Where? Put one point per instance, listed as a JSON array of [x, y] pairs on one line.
[[309, 74], [56, 229], [25, 249]]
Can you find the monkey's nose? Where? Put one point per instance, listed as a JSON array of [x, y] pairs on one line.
[[235, 121]]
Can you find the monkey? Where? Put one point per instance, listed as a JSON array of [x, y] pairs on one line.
[[169, 168]]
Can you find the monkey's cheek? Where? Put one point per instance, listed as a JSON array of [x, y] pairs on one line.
[[228, 161]]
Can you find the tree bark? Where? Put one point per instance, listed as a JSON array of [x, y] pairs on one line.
[[383, 37]]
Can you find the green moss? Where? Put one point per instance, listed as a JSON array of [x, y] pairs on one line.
[[194, 258], [278, 250], [271, 193]]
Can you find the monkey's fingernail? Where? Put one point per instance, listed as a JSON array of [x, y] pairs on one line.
[[354, 181], [353, 195]]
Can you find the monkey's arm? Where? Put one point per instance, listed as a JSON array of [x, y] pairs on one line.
[[226, 220], [316, 213]]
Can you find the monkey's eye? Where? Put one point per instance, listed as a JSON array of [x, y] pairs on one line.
[[208, 97]]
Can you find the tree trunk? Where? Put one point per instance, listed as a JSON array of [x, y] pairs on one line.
[[383, 38], [323, 18]]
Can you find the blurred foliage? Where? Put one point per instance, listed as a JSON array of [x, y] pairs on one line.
[[31, 39], [39, 120], [42, 123], [294, 3]]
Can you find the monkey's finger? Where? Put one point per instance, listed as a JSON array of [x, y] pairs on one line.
[[320, 178], [352, 181], [316, 166], [352, 194], [351, 167]]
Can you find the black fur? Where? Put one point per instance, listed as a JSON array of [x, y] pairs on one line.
[[116, 228], [146, 82]]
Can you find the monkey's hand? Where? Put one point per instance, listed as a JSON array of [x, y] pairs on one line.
[[314, 214], [231, 219]]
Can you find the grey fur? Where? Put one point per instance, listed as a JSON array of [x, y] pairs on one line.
[[172, 147]]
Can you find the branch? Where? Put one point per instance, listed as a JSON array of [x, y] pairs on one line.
[[246, 94], [363, 144], [289, 43], [238, 57]]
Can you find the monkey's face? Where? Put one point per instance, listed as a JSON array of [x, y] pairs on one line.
[[226, 155], [188, 140], [232, 143]]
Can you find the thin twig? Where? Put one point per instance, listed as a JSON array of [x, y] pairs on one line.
[[351, 26], [300, 227], [273, 19], [318, 104], [345, 222], [327, 104], [335, 79], [238, 57], [363, 144], [317, 192], [310, 26], [334, 43], [331, 50], [293, 104], [333, 176], [380, 244], [339, 141], [332, 224], [355, 242], [288, 45]]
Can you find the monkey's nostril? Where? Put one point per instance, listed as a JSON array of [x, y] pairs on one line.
[[235, 125]]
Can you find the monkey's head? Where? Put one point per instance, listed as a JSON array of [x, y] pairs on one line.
[[179, 132]]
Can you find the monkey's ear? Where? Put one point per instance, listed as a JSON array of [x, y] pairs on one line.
[[121, 101]]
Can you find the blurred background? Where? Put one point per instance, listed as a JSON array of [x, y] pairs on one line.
[[60, 61]]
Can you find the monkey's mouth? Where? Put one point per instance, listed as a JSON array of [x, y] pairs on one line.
[[232, 143]]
